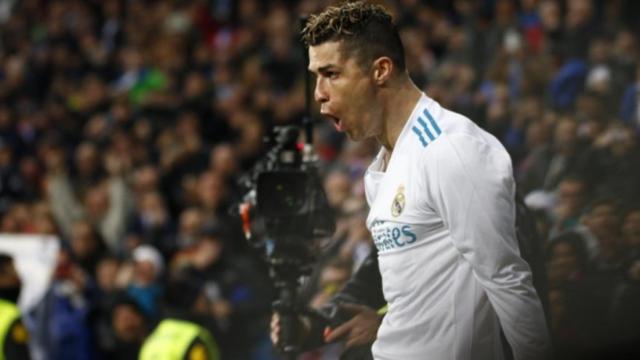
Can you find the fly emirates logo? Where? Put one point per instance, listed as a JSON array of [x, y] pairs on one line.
[[389, 235]]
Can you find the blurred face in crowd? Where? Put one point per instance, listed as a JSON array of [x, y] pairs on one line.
[[44, 224], [94, 88], [146, 179], [504, 11], [345, 90], [195, 85], [144, 273], [128, 323], [566, 135], [83, 241], [599, 51], [190, 222], [29, 169], [17, 219], [625, 46], [550, 15], [602, 220], [152, 209], [86, 159], [579, 12], [106, 274], [571, 195], [338, 187], [132, 59], [537, 134], [224, 160], [201, 305], [565, 258], [529, 5], [211, 190], [631, 229], [96, 201], [250, 142]]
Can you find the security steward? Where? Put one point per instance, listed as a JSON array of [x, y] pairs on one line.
[[180, 335], [13, 335]]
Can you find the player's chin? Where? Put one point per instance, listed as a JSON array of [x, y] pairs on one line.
[[352, 133], [354, 136]]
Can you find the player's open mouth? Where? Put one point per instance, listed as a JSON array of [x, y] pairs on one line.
[[336, 121]]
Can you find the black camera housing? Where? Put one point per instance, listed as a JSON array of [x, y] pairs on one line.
[[292, 203]]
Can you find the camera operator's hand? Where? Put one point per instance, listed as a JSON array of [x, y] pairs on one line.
[[361, 329], [303, 326]]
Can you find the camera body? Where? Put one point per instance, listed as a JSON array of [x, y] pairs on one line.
[[287, 193], [292, 203]]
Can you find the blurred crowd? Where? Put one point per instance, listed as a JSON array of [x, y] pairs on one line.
[[124, 125]]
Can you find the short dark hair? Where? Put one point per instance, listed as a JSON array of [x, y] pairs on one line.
[[366, 30]]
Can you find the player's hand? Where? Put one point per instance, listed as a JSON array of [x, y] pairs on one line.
[[361, 329]]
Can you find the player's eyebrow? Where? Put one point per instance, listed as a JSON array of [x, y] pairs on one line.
[[323, 69]]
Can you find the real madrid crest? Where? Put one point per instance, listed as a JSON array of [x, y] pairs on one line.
[[398, 202]]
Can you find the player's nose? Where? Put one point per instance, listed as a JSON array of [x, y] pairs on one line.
[[320, 93]]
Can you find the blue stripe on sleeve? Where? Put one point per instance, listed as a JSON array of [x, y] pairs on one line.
[[422, 140], [432, 121], [426, 129]]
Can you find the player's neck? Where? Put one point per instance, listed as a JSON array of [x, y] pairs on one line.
[[398, 106]]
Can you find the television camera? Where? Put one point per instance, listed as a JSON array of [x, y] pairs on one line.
[[284, 211]]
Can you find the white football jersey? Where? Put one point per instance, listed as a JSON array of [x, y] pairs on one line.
[[443, 219]]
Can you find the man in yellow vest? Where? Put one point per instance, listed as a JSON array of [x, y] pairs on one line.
[[179, 336], [13, 334]]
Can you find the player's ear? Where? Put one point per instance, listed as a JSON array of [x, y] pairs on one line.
[[382, 69]]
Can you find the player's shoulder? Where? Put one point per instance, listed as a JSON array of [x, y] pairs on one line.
[[431, 124], [459, 141], [463, 133]]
